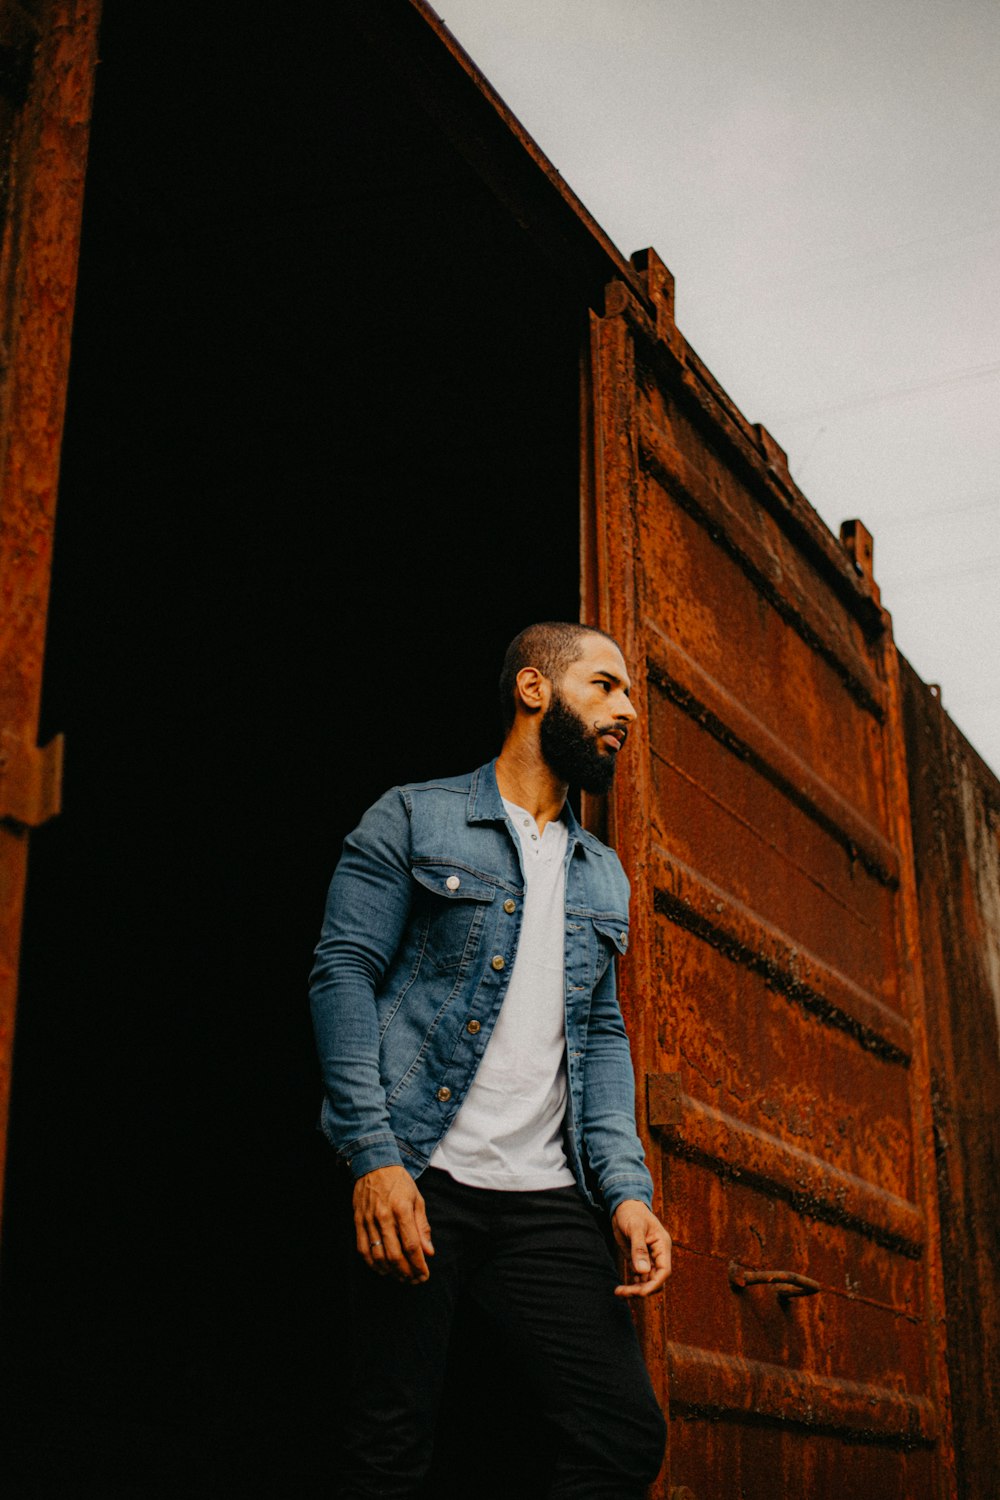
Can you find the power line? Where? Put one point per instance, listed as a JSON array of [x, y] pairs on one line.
[[775, 282], [892, 393], [903, 518], [906, 585]]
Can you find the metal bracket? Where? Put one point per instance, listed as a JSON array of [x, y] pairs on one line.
[[663, 1099], [659, 283], [859, 544], [30, 780], [774, 454]]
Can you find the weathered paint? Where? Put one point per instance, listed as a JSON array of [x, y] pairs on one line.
[[45, 123], [955, 800], [773, 991]]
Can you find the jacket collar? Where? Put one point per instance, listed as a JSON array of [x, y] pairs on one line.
[[486, 806]]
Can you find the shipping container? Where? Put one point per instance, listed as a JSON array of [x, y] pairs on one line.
[[358, 388]]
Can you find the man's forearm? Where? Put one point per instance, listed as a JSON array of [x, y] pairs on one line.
[[614, 1150], [355, 1114], [366, 913]]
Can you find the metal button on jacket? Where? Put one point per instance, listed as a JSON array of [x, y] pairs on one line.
[[472, 1027], [498, 962], [453, 882], [509, 906], [444, 1094]]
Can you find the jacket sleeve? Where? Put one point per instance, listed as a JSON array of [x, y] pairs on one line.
[[613, 1149], [366, 915]]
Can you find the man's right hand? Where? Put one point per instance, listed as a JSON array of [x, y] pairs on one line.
[[390, 1222]]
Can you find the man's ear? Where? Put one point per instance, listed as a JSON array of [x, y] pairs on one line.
[[533, 690]]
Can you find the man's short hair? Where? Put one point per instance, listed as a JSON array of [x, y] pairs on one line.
[[551, 647]]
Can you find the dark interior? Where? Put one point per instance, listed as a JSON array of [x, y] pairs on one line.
[[320, 464]]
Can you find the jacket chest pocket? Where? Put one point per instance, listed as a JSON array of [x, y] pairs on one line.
[[455, 904], [610, 937]]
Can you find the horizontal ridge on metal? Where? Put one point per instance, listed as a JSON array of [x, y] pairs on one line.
[[813, 1186], [688, 486], [734, 725], [705, 1383], [754, 456], [695, 903]]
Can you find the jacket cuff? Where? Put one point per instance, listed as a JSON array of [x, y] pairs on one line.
[[622, 1190], [367, 1155]]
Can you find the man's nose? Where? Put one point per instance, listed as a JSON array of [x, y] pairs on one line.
[[626, 709]]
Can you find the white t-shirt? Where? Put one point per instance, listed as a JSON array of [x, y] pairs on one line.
[[508, 1133]]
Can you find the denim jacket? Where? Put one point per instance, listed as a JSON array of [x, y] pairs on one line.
[[417, 948]]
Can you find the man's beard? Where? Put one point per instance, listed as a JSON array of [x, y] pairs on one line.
[[571, 750]]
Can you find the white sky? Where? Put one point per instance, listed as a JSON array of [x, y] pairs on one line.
[[824, 182]]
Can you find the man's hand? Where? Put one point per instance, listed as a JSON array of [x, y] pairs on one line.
[[393, 1234], [646, 1245]]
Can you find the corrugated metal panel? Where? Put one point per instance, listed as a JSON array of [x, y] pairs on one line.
[[956, 834], [774, 992]]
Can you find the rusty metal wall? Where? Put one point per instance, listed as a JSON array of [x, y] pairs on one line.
[[955, 801], [773, 987], [49, 52]]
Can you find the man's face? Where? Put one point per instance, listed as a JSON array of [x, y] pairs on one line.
[[588, 717]]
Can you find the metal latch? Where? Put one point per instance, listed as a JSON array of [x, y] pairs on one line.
[[30, 780], [785, 1283]]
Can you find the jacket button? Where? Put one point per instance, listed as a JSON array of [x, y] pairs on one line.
[[472, 1027], [498, 962], [444, 1094], [453, 882], [623, 938], [509, 906]]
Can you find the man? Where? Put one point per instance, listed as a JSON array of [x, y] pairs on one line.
[[479, 1086]]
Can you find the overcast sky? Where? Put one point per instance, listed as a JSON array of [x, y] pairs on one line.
[[822, 179]]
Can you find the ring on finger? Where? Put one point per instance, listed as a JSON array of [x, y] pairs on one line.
[[376, 1244]]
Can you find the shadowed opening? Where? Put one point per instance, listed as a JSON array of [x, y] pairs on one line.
[[321, 463]]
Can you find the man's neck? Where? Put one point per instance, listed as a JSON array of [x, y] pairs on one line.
[[524, 778]]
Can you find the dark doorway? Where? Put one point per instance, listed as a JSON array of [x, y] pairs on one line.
[[320, 464]]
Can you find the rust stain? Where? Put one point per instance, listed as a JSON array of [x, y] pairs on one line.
[[776, 1005], [45, 144], [955, 802], [813, 994]]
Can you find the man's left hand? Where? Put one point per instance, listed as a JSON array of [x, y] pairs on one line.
[[646, 1245]]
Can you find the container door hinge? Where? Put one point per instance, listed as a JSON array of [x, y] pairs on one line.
[[30, 780]]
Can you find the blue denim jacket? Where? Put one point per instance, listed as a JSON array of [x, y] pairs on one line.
[[419, 938]]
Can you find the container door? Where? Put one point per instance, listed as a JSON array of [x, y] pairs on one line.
[[773, 990], [47, 58]]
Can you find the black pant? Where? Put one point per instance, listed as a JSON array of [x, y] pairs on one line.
[[538, 1264]]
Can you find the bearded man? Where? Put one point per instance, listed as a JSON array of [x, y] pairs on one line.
[[479, 1087]]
